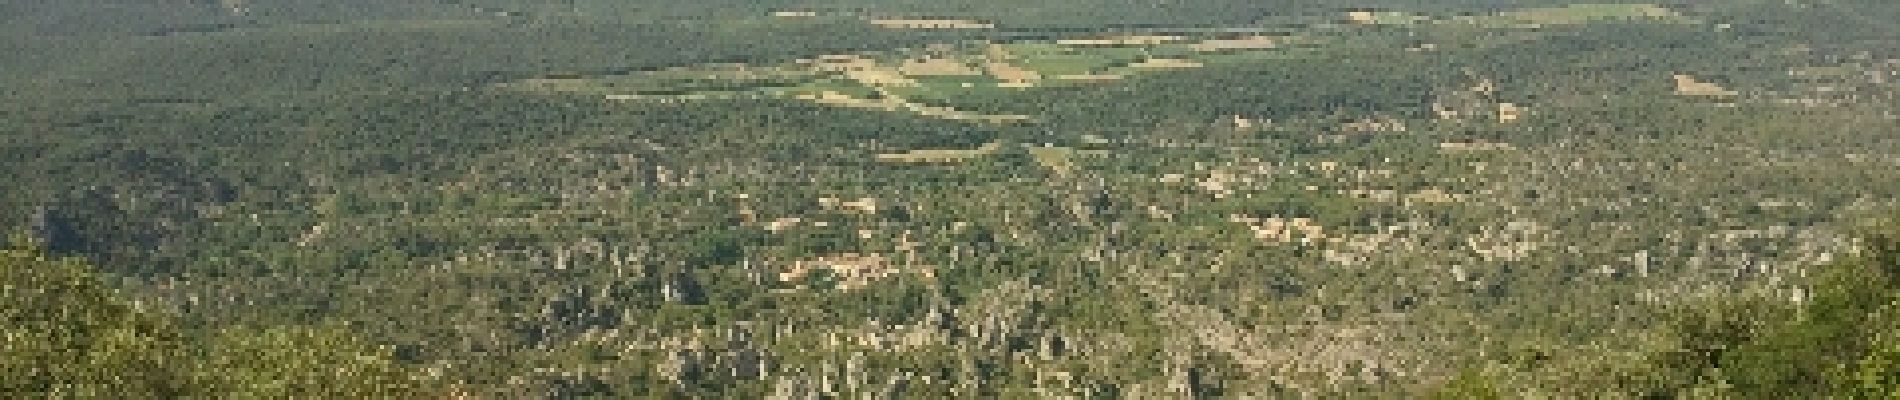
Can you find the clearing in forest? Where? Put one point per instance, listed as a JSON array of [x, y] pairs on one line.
[[1687, 85], [940, 80], [941, 155], [1584, 13]]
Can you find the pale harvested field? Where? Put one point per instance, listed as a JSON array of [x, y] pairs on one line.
[[1583, 13], [1165, 63], [1687, 85], [941, 155], [1129, 40], [1091, 77], [1246, 43], [938, 67], [880, 77], [926, 23], [1010, 73]]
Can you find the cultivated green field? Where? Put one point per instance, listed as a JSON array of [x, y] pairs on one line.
[[1010, 67]]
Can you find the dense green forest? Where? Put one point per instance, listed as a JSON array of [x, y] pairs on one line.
[[950, 199]]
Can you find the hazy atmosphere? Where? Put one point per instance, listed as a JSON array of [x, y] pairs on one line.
[[937, 199]]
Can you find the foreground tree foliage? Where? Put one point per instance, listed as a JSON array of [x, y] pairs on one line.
[[1837, 343], [65, 334]]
